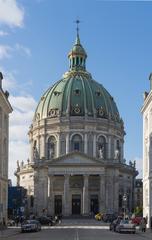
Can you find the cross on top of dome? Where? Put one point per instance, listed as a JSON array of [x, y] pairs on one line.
[[77, 55]]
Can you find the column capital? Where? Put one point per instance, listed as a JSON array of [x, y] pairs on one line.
[[66, 176]]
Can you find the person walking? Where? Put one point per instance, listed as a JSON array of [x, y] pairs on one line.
[[143, 224], [151, 223]]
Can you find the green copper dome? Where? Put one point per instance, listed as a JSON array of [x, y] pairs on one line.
[[77, 94]]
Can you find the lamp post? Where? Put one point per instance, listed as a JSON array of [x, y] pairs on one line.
[[124, 200]]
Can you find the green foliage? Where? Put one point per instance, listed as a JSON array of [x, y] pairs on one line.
[[138, 211]]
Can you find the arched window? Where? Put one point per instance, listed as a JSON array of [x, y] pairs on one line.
[[77, 143], [117, 154], [51, 149], [35, 150], [101, 147]]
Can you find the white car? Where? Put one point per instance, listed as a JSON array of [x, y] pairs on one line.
[[30, 226], [126, 226]]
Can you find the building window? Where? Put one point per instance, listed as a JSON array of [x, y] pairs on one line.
[[101, 147], [77, 143], [77, 92], [51, 149]]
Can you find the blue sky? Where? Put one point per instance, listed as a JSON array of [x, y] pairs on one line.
[[35, 38]]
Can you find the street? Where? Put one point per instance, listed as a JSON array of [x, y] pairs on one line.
[[73, 229], [78, 234]]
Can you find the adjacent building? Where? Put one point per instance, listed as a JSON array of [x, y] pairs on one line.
[[147, 153], [77, 143], [5, 109], [17, 201], [25, 178]]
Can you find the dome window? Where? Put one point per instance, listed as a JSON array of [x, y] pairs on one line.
[[57, 93], [53, 112], [77, 109], [77, 92], [101, 111], [98, 93]]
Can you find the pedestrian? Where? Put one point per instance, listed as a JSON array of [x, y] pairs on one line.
[[151, 223], [143, 224]]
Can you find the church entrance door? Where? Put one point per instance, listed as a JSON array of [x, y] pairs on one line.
[[94, 204], [76, 204], [58, 204]]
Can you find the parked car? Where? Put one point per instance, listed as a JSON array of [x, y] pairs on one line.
[[126, 226], [44, 220], [109, 217], [98, 216], [30, 226], [114, 223], [136, 220]]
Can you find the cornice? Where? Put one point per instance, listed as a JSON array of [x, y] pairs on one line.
[[146, 102]]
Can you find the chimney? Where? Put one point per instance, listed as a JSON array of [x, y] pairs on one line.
[[1, 77]]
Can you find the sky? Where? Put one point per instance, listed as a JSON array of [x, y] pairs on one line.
[[35, 39]]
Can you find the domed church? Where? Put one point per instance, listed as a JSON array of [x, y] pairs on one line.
[[77, 142]]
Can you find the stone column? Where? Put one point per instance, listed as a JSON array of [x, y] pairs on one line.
[[40, 191], [66, 196], [58, 146], [31, 150], [42, 146], [94, 145], [102, 192], [51, 196], [85, 195], [116, 193], [85, 143], [67, 143]]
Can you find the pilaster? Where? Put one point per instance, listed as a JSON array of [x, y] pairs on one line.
[[85, 195]]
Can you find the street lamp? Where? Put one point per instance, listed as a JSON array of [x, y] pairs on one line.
[[125, 200]]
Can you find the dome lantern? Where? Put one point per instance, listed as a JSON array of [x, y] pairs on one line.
[[77, 56]]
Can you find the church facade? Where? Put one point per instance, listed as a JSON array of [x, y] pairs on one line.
[[77, 142], [5, 109], [147, 153]]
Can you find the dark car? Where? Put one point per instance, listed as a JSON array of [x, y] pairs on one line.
[[114, 223], [44, 220], [109, 217], [30, 226]]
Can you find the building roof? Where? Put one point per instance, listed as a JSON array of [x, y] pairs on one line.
[[77, 93]]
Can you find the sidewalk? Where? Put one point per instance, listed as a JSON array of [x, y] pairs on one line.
[[4, 234]]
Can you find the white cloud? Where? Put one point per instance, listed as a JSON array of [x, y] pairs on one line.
[[18, 150], [25, 50], [11, 13], [5, 51], [9, 82], [20, 120], [3, 33], [23, 103]]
